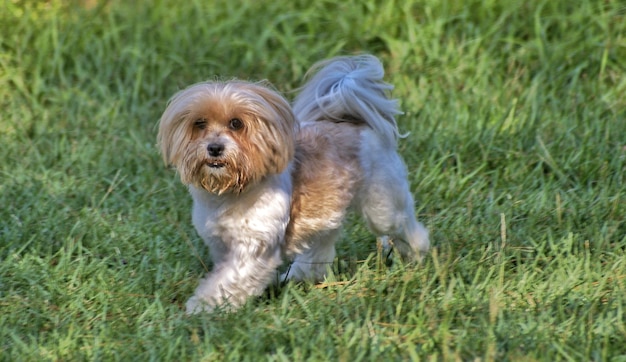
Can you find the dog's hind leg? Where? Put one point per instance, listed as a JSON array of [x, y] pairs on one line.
[[387, 206]]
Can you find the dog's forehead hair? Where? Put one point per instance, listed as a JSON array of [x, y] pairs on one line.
[[219, 111]]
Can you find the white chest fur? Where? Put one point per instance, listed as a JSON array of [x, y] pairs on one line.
[[254, 219]]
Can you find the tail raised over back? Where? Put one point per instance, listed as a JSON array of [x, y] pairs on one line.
[[349, 89]]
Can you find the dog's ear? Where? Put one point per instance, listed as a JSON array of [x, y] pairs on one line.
[[172, 136], [277, 128]]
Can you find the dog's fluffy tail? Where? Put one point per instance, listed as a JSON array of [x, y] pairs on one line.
[[349, 89]]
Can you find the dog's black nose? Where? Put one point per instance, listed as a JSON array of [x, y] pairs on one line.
[[215, 149]]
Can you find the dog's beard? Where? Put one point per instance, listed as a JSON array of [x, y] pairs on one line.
[[229, 173], [218, 180], [214, 174]]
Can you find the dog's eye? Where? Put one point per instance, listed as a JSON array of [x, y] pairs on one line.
[[200, 123], [235, 124]]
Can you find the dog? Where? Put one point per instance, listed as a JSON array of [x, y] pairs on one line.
[[272, 181]]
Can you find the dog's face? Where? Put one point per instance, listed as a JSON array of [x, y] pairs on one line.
[[223, 137]]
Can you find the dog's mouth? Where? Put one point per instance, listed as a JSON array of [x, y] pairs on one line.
[[216, 164]]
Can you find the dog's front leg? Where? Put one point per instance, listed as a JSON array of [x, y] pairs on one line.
[[244, 271]]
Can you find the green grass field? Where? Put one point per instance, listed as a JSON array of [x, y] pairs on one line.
[[517, 155]]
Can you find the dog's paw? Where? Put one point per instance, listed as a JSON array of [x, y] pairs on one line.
[[197, 305]]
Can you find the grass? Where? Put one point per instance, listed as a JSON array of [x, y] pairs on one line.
[[516, 153]]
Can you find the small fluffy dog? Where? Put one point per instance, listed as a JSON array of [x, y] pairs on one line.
[[270, 182]]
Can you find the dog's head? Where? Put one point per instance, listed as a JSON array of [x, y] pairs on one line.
[[225, 136]]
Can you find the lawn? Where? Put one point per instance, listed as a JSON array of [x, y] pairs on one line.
[[516, 113]]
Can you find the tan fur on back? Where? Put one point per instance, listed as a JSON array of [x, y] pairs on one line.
[[327, 174]]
